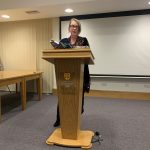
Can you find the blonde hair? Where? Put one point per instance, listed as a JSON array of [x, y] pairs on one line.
[[77, 21]]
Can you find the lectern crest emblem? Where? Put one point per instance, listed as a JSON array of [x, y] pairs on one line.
[[67, 76]]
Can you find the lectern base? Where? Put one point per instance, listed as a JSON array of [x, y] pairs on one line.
[[83, 141]]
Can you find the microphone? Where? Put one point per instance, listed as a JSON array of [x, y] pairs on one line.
[[98, 137]]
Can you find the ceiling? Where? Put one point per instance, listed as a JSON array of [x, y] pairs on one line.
[[16, 9]]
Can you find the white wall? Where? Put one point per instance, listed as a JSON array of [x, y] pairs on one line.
[[130, 85]]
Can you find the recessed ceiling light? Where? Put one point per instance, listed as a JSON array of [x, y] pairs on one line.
[[69, 10], [5, 16], [149, 3]]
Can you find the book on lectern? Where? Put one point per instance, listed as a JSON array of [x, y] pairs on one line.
[[60, 45]]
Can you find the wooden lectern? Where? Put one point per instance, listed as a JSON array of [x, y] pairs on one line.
[[69, 68]]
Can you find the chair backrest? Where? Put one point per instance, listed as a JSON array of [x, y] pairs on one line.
[[1, 66]]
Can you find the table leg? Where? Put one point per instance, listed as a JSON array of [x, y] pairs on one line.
[[23, 94], [0, 109], [39, 86], [16, 87]]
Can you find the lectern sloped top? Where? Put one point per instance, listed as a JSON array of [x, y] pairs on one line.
[[82, 53]]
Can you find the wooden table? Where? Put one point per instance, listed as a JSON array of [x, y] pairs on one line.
[[14, 77]]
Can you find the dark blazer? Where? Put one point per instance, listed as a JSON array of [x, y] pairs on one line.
[[81, 41]]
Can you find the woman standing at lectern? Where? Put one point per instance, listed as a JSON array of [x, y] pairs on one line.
[[76, 40]]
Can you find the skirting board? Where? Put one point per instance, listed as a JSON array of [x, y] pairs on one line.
[[116, 94]]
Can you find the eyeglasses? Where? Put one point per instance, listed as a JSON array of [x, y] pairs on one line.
[[73, 26]]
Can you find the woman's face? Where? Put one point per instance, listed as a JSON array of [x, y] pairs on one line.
[[74, 28]]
